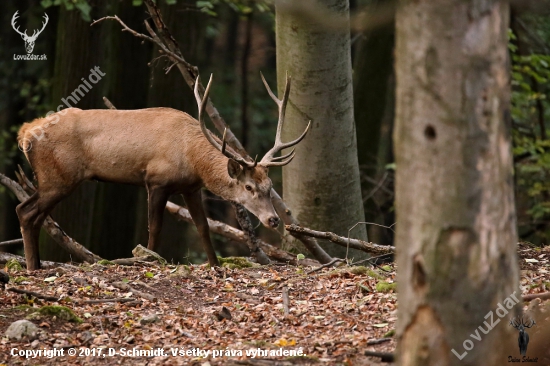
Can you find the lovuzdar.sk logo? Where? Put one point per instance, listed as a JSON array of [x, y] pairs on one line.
[[29, 40]]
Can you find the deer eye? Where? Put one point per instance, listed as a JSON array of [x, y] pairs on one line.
[[248, 187]]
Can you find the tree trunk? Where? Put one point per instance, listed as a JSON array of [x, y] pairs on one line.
[[76, 53], [322, 183], [374, 97], [456, 228], [115, 205]]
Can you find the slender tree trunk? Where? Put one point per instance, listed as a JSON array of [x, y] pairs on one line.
[[373, 94], [322, 183], [456, 228]]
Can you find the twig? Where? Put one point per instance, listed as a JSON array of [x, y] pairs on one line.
[[11, 242], [32, 293], [372, 342], [126, 287], [353, 243], [335, 260], [108, 103], [99, 301]]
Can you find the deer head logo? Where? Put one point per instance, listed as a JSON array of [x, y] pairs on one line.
[[29, 40]]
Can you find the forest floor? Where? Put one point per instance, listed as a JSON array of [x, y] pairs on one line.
[[195, 315]]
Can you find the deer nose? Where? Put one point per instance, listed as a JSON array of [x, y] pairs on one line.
[[274, 222]]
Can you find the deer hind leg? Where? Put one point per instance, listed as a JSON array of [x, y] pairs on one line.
[[157, 197], [194, 205], [32, 214]]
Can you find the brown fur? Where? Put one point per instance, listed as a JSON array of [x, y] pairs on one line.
[[159, 148]]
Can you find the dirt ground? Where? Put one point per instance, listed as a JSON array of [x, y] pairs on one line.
[[177, 314]]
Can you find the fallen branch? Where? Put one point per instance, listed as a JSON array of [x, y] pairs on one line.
[[75, 250], [181, 213], [6, 257], [168, 44], [542, 296], [384, 356], [32, 293], [340, 240]]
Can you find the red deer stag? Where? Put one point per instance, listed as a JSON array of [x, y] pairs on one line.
[[163, 149]]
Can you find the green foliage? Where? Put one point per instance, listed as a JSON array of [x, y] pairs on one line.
[[530, 110], [242, 7], [81, 5]]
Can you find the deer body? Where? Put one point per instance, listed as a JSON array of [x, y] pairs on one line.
[[163, 149], [157, 146]]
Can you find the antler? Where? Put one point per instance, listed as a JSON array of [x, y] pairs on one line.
[[268, 159], [202, 106], [36, 33], [13, 19]]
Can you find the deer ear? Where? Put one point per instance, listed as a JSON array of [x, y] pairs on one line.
[[234, 169]]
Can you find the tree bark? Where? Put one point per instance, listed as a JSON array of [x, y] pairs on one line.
[[456, 228], [322, 182]]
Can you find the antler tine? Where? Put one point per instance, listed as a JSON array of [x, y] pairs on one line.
[[269, 159], [15, 26], [202, 107]]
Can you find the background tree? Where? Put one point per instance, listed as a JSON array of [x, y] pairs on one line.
[[456, 233], [322, 183]]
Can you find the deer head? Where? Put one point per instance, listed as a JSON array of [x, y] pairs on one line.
[[252, 185], [29, 40]]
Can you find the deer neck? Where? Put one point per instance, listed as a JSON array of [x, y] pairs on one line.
[[215, 176]]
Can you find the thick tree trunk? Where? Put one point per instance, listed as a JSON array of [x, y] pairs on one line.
[[456, 229], [322, 183], [76, 53], [115, 206]]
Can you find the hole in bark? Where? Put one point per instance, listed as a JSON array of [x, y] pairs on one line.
[[419, 274], [429, 132], [317, 201]]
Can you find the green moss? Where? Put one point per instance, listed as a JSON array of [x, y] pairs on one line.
[[384, 286], [105, 262], [389, 334], [61, 312], [358, 270], [236, 263], [19, 279], [13, 265], [374, 274]]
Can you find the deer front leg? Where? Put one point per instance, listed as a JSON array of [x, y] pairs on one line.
[[157, 197], [194, 205]]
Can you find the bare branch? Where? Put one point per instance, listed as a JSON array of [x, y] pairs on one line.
[[340, 240]]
